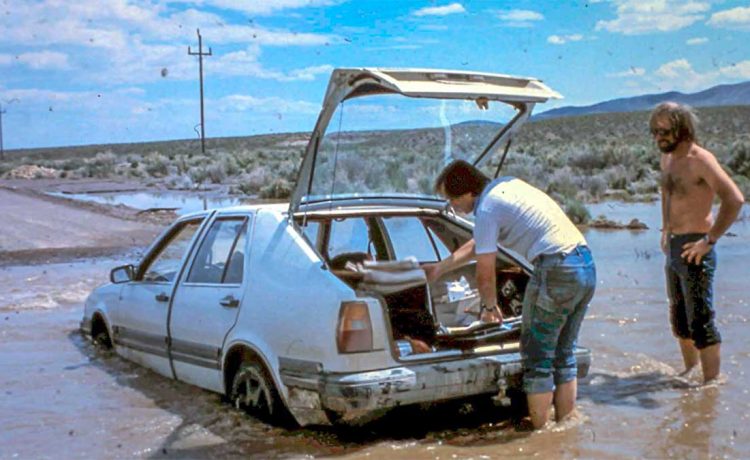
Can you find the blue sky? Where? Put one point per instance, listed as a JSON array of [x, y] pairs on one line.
[[109, 71]]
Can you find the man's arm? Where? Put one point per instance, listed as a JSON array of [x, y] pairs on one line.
[[731, 203], [486, 285], [459, 257], [729, 194]]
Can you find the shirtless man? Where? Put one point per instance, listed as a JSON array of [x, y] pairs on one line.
[[691, 179]]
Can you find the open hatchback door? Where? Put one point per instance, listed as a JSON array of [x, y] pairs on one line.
[[388, 132]]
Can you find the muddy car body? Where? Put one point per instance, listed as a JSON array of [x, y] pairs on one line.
[[299, 307]]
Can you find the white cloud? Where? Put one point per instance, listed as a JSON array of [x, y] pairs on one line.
[[631, 72], [562, 39], [518, 18], [735, 18], [679, 75], [739, 70], [44, 60], [245, 63], [6, 59], [262, 7], [453, 8], [636, 17], [696, 41], [308, 73], [273, 105], [433, 27], [133, 43]]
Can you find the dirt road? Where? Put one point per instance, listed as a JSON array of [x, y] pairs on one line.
[[37, 228]]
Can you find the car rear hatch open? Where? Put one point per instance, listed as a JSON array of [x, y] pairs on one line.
[[446, 121]]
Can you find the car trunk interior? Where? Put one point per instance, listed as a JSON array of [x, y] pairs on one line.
[[425, 319]]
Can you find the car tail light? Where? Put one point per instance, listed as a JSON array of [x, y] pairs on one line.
[[354, 333]]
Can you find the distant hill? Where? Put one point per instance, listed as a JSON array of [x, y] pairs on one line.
[[717, 96]]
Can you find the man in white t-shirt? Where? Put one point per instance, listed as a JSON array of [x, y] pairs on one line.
[[520, 217]]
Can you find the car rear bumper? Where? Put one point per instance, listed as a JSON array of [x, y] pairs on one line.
[[361, 396]]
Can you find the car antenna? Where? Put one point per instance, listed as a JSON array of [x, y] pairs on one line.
[[336, 155]]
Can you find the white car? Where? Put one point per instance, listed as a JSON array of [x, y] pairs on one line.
[[318, 308]]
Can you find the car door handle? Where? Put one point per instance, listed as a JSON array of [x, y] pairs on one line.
[[229, 301], [162, 297]]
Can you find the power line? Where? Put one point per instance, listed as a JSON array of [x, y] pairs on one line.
[[200, 55]]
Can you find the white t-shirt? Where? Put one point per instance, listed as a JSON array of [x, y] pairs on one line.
[[522, 218]]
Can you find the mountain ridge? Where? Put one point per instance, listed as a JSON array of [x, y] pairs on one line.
[[715, 96]]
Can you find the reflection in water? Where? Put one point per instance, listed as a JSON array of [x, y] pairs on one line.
[[689, 426], [182, 203], [630, 390]]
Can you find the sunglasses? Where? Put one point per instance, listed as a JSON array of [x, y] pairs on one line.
[[660, 132]]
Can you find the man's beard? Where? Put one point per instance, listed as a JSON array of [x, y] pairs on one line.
[[668, 147]]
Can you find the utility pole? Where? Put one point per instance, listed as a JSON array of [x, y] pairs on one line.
[[200, 55], [2, 152]]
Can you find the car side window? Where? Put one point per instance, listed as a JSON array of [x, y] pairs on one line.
[[163, 267], [311, 231], [348, 235], [409, 237], [441, 247], [220, 258]]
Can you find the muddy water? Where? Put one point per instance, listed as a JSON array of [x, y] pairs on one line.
[[59, 398]]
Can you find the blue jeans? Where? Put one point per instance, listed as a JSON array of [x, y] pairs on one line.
[[554, 304], [690, 289]]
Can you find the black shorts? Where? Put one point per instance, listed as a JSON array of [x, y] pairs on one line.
[[690, 289]]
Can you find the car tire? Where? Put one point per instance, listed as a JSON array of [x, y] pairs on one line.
[[101, 340], [254, 392]]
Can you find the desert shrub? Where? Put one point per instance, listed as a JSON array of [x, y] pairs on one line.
[[279, 188], [645, 185], [593, 186], [228, 164], [216, 172], [739, 158], [251, 183], [577, 212], [179, 182], [587, 160], [563, 183], [198, 174], [155, 164], [137, 173], [102, 165], [618, 177]]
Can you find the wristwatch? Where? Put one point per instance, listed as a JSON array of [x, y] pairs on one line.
[[484, 307], [708, 240]]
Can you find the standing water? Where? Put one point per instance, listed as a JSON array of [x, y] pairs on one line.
[[60, 395]]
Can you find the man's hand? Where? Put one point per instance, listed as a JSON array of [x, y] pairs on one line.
[[693, 252], [665, 243], [491, 315]]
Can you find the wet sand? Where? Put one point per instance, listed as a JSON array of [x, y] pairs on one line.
[[61, 398], [38, 227]]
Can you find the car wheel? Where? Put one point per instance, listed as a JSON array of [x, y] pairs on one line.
[[254, 392], [100, 337]]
